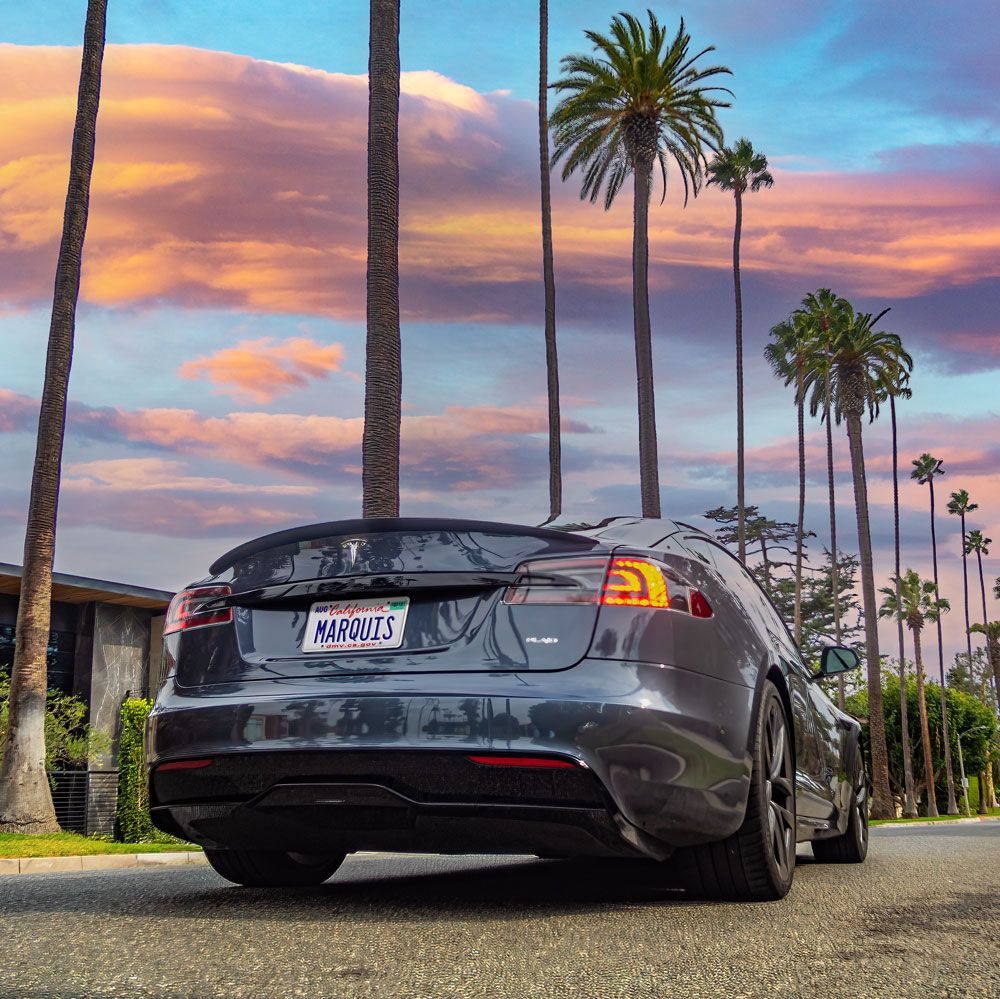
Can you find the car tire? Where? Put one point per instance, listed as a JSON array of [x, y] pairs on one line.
[[260, 869], [756, 863], [852, 847]]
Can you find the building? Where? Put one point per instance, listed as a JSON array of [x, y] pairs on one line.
[[104, 646]]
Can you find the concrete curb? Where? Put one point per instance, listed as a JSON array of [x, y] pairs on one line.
[[98, 862], [894, 824]]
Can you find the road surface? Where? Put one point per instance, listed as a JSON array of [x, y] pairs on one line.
[[921, 918]]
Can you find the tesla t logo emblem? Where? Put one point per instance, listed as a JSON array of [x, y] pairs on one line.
[[351, 549]]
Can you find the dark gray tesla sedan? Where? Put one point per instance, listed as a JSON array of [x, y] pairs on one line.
[[613, 689]]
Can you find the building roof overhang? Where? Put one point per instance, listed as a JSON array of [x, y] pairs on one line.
[[69, 589]]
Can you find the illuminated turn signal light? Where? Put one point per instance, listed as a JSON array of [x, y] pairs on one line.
[[634, 582]]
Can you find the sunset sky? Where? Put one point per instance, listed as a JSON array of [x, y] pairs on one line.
[[217, 384]]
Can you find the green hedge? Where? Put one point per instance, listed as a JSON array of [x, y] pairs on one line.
[[133, 823]]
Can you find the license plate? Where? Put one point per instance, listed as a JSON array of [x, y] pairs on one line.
[[356, 625]]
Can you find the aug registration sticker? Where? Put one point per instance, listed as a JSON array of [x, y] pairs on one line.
[[356, 625]]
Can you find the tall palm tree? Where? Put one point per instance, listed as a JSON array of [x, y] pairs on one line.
[[915, 601], [788, 354], [960, 506], [909, 801], [825, 313], [863, 363], [383, 367], [739, 168], [548, 268], [925, 469], [990, 630], [977, 542], [25, 798], [641, 100]]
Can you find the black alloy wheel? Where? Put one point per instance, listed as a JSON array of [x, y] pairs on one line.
[[756, 863], [852, 847]]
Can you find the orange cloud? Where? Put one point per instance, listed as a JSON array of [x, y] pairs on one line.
[[158, 475], [227, 181], [262, 369]]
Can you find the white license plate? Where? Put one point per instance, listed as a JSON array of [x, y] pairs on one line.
[[356, 625]]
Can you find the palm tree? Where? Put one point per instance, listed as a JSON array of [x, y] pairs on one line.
[[788, 354], [826, 312], [990, 630], [915, 601], [863, 364], [959, 504], [925, 469], [909, 801], [640, 101], [548, 269], [25, 798], [383, 368], [977, 542], [739, 169]]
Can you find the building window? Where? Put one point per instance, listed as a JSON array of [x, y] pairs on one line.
[[59, 657]]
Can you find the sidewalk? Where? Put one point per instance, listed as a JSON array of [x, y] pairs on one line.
[[97, 862], [907, 823]]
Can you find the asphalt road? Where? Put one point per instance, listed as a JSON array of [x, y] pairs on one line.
[[921, 918]]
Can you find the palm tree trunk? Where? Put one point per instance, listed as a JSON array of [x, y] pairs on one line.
[[649, 475], [548, 269], [882, 807], [952, 802], [741, 522], [965, 588], [797, 615], [25, 798], [925, 729], [991, 655], [834, 564], [909, 802], [383, 368]]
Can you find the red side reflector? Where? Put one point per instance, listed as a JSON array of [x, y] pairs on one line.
[[700, 607], [522, 761], [634, 582], [184, 765]]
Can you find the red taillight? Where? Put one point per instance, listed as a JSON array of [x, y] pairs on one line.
[[183, 765], [634, 582], [546, 762], [184, 613]]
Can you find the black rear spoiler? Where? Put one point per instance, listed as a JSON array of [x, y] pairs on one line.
[[389, 525]]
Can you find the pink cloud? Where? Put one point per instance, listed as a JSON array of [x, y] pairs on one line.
[[262, 369], [226, 181]]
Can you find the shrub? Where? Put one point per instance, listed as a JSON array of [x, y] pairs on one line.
[[133, 824], [69, 739]]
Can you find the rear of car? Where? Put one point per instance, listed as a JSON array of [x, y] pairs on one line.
[[453, 686]]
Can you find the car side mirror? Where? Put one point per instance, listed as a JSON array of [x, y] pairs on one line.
[[837, 659]]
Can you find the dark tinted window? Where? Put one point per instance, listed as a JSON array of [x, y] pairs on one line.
[[59, 657]]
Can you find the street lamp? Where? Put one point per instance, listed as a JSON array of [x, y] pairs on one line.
[[961, 766]]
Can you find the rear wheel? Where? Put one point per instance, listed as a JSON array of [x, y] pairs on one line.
[[852, 847], [757, 862], [260, 869]]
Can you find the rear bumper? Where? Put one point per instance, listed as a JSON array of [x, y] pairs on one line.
[[381, 762]]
